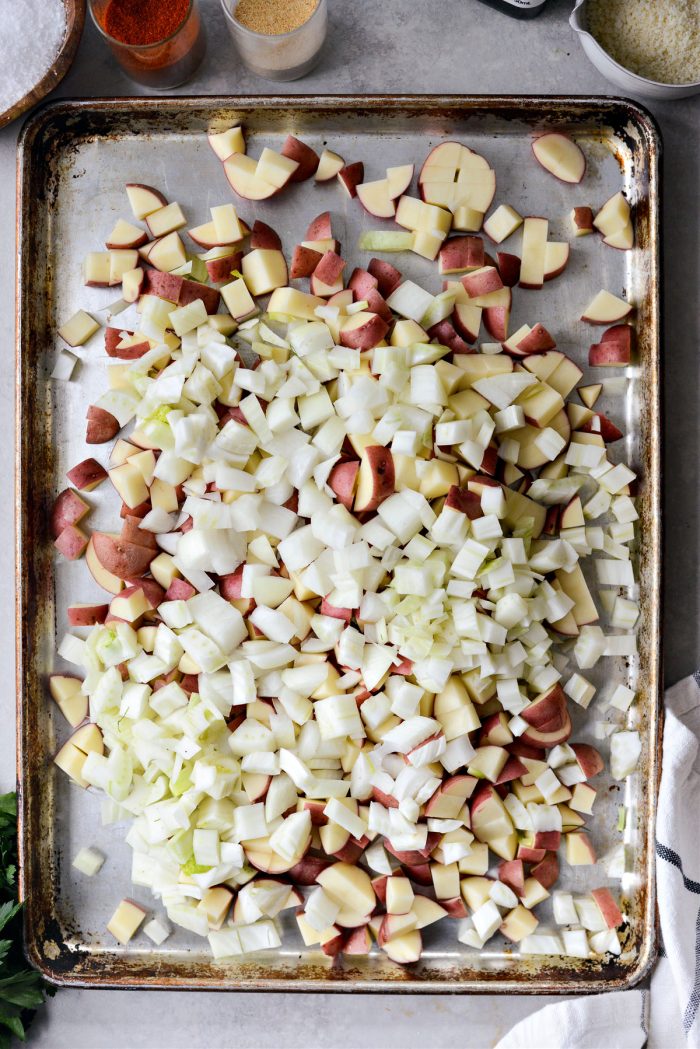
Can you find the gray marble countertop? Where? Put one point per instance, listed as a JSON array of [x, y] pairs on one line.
[[419, 46]]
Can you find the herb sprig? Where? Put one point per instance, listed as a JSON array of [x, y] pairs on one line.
[[21, 989]]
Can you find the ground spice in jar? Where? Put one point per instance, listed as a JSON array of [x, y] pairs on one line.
[[274, 17], [159, 43], [142, 22]]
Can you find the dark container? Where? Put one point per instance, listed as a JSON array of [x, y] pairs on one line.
[[517, 8]]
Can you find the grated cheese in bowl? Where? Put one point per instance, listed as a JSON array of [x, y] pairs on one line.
[[656, 39]]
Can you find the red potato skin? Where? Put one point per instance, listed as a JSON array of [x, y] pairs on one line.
[[351, 176], [262, 235], [230, 585], [551, 522], [315, 808], [71, 542], [623, 333], [420, 873], [530, 855], [307, 870], [379, 886], [381, 462], [219, 270], [583, 218], [180, 590], [547, 711], [513, 769], [523, 750], [547, 870], [404, 667], [122, 559], [136, 511], [588, 758], [87, 475], [113, 336], [320, 227], [192, 290], [387, 800], [607, 429], [476, 284], [467, 332], [329, 268], [153, 591], [131, 353], [466, 502], [478, 482], [357, 941], [608, 907], [164, 285], [304, 262], [292, 503], [132, 533], [367, 336], [236, 414], [536, 341], [444, 332], [387, 276], [101, 426], [461, 253], [327, 609], [608, 355], [376, 304], [512, 874], [67, 510], [415, 856], [455, 907], [550, 840], [88, 615], [179, 290], [545, 739], [509, 268], [361, 283], [332, 948], [494, 730], [189, 683], [496, 320], [350, 852], [305, 156]]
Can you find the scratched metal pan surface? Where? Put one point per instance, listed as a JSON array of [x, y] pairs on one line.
[[74, 159]]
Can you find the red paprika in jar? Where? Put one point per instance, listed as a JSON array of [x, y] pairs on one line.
[[159, 43], [144, 21]]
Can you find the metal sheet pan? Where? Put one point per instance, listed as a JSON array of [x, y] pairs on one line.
[[74, 158]]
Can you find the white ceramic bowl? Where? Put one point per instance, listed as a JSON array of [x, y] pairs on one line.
[[616, 73]]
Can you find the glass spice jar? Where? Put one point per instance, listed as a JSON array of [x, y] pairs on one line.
[[158, 44], [286, 55]]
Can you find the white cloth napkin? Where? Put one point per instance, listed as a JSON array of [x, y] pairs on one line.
[[619, 1020]]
